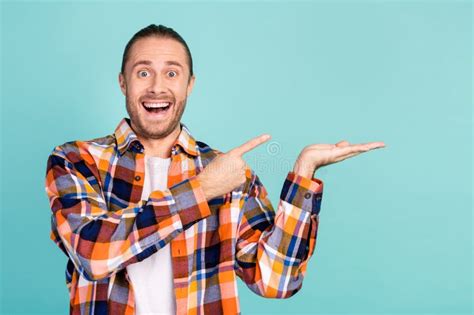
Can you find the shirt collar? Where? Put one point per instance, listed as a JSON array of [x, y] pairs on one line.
[[125, 136]]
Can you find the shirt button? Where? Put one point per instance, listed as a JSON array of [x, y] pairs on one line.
[[137, 178], [307, 195]]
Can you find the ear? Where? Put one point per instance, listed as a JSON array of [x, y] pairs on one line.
[[123, 85], [190, 85]]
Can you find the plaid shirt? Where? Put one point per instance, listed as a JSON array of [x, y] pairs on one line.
[[102, 225]]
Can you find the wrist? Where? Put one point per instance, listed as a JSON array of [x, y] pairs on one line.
[[304, 169], [303, 172], [204, 187]]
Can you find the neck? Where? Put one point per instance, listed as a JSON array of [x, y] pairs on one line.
[[160, 147]]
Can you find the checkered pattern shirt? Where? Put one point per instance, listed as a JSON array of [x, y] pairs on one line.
[[101, 223]]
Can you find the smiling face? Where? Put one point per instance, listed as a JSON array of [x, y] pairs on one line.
[[156, 85]]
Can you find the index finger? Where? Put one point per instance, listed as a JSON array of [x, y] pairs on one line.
[[249, 145]]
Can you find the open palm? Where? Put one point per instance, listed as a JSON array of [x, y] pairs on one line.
[[315, 156]]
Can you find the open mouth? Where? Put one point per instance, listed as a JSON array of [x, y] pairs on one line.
[[157, 107]]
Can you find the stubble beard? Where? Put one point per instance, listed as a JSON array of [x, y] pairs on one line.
[[144, 129]]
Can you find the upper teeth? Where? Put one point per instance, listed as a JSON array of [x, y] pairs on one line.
[[156, 105]]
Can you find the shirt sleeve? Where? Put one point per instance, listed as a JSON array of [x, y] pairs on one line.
[[101, 242], [273, 249]]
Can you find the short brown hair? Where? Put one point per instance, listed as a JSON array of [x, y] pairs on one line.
[[158, 31]]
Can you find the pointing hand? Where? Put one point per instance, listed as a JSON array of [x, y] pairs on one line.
[[227, 171]]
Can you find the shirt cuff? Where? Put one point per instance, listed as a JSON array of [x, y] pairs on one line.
[[303, 192], [190, 201]]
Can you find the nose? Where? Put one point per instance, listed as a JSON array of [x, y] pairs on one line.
[[157, 85]]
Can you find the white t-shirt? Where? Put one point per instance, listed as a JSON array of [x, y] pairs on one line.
[[152, 278]]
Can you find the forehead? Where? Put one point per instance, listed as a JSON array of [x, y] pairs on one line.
[[157, 50]]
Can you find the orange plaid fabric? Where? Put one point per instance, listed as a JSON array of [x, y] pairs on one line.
[[102, 225]]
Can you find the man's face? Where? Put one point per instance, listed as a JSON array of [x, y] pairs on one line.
[[156, 75]]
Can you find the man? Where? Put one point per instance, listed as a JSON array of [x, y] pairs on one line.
[[155, 222]]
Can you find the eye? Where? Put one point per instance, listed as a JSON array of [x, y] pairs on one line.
[[173, 72], [140, 73]]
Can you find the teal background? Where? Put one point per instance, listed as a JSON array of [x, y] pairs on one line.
[[395, 233]]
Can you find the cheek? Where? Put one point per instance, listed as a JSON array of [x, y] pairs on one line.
[[135, 92], [181, 91]]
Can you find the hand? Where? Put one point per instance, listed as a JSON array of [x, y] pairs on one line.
[[227, 171], [315, 156]]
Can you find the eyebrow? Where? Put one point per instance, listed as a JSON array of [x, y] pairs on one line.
[[148, 63]]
